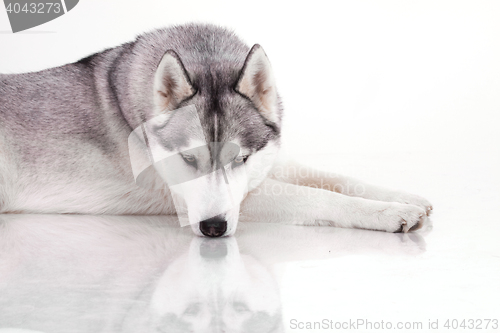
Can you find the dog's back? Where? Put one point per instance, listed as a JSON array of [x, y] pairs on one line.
[[60, 133]]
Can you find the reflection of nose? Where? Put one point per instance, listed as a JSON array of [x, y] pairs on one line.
[[213, 248], [213, 227]]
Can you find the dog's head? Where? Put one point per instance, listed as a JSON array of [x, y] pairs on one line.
[[217, 124]]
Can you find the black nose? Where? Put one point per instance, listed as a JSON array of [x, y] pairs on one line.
[[214, 227]]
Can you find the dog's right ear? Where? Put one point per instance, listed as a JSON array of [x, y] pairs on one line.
[[171, 83]]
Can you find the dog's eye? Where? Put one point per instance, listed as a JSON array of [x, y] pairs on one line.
[[239, 160], [189, 159]]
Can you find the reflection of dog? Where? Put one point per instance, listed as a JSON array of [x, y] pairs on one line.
[[216, 290], [132, 274], [64, 132]]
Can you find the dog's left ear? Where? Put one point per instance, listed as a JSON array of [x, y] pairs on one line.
[[171, 83], [256, 82]]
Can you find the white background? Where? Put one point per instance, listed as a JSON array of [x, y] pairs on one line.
[[354, 75], [404, 93]]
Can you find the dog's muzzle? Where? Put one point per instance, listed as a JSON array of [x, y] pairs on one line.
[[213, 227]]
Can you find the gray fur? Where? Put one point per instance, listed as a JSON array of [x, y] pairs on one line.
[[64, 130]]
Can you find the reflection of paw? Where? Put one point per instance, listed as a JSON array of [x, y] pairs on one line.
[[402, 217], [415, 200], [411, 243]]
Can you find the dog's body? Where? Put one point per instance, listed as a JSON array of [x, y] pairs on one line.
[[64, 138]]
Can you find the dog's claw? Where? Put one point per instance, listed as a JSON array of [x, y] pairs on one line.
[[415, 227], [400, 230]]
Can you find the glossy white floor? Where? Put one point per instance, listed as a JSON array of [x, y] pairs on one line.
[[146, 274]]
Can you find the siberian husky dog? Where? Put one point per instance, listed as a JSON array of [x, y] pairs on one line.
[[182, 120]]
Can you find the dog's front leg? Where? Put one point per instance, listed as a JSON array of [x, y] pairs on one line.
[[276, 201], [296, 173]]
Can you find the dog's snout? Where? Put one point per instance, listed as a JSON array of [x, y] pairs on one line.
[[213, 227]]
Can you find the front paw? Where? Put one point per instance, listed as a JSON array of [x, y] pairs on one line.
[[402, 217], [412, 199]]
